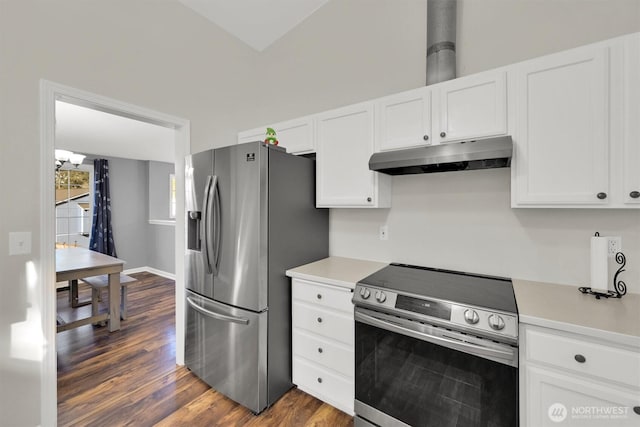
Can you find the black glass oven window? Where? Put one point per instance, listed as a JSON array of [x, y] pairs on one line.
[[423, 384], [424, 306]]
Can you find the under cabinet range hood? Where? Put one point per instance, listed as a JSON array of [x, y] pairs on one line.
[[469, 155]]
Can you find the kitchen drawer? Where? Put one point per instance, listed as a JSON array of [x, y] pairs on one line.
[[328, 353], [599, 360], [323, 295], [323, 322], [326, 386]]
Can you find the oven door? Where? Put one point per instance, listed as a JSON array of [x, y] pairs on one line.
[[411, 373]]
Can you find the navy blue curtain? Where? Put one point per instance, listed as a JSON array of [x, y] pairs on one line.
[[101, 231]]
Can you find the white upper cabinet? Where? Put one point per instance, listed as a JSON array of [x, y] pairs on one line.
[[404, 120], [252, 135], [345, 141], [296, 135], [470, 107], [562, 129], [577, 130], [631, 126], [456, 110]]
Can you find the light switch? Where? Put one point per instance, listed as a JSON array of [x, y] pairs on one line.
[[20, 243]]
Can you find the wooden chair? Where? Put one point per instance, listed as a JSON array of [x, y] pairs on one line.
[[98, 283]]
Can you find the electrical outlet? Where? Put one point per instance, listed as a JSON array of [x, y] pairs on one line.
[[384, 232], [614, 246]]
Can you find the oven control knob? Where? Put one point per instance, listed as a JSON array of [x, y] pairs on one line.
[[381, 297], [496, 322], [364, 293], [471, 316]]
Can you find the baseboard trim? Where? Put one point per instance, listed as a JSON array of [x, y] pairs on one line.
[[147, 269]]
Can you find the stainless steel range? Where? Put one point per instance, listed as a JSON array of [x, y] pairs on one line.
[[435, 348]]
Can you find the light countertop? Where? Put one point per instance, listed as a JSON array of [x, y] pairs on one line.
[[547, 305], [564, 307], [337, 271]]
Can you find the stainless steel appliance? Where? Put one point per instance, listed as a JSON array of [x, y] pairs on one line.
[[485, 153], [435, 348], [250, 216]]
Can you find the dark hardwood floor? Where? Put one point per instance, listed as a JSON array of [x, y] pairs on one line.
[[129, 377]]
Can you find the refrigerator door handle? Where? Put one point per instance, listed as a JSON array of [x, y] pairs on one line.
[[206, 223], [219, 316], [217, 230]]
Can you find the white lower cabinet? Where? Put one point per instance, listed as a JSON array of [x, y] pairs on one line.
[[322, 342], [573, 380]]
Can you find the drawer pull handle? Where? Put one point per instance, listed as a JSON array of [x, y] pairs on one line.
[[319, 319], [636, 409], [634, 194], [319, 349], [580, 358], [320, 380], [426, 137], [319, 296], [602, 196]]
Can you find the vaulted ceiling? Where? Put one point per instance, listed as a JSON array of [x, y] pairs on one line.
[[257, 23]]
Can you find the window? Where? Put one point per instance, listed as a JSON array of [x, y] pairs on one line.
[[74, 202], [172, 196]]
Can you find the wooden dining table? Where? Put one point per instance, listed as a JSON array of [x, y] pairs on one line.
[[74, 263]]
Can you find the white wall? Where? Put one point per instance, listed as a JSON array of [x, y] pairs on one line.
[[160, 55], [463, 221], [155, 54]]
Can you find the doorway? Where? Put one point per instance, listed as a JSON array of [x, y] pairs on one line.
[[50, 93]]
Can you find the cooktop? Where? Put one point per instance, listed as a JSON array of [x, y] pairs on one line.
[[490, 292]]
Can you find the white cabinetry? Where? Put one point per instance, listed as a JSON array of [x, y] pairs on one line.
[[562, 128], [457, 110], [296, 135], [404, 120], [631, 125], [576, 133], [577, 380], [471, 107], [345, 139], [322, 342]]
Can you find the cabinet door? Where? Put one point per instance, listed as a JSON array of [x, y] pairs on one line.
[[631, 138], [252, 135], [345, 143], [561, 142], [554, 398], [404, 120], [471, 107], [296, 135]]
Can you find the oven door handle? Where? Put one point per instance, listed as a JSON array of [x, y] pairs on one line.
[[508, 356]]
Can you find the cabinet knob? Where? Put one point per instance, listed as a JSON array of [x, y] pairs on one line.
[[368, 199], [636, 409], [634, 194], [319, 319], [319, 349], [602, 196], [319, 296], [580, 358], [442, 134], [426, 137], [319, 380]]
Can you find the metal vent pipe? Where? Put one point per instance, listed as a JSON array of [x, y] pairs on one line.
[[441, 40]]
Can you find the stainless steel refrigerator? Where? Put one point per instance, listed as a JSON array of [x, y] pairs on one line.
[[251, 215]]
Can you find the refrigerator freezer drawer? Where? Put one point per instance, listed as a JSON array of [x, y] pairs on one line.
[[227, 348]]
